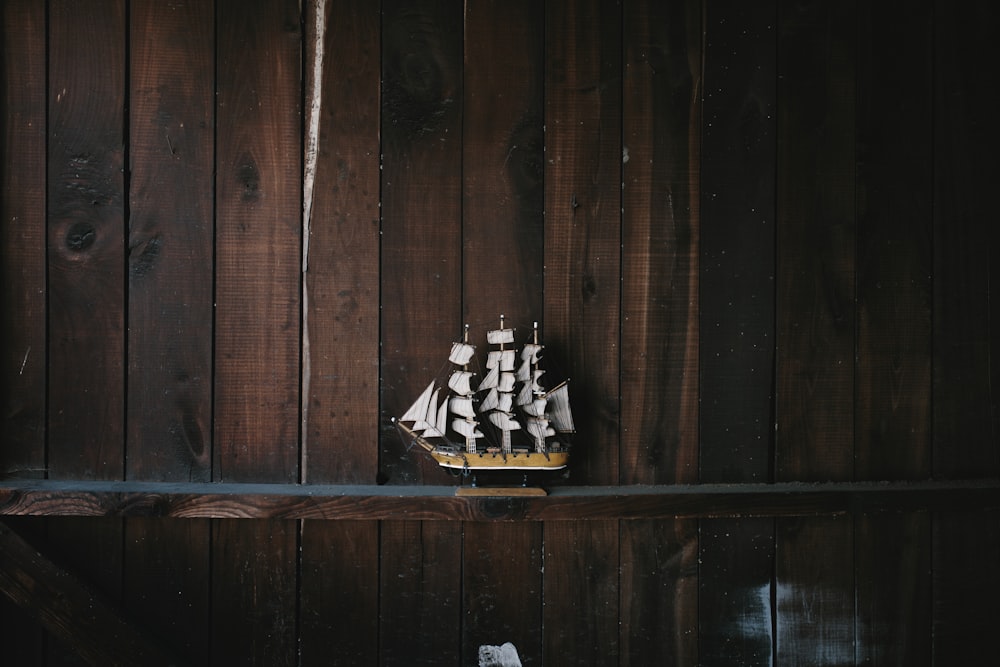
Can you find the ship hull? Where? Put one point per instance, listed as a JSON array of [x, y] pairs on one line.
[[456, 459]]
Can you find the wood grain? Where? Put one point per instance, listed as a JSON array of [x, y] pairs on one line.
[[420, 593], [581, 593], [340, 335], [966, 419], [170, 242], [22, 240], [421, 269], [660, 229], [737, 243], [85, 207], [659, 592], [895, 174], [816, 236], [583, 221], [258, 235]]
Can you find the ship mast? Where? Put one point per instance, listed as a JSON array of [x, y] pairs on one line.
[[460, 404]]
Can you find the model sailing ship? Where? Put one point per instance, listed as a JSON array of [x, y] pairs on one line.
[[507, 422]]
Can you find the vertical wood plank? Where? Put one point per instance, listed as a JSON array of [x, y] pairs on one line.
[[258, 232], [894, 242], [502, 589], [22, 240], [737, 304], [893, 560], [583, 154], [737, 242], [170, 241], [85, 204], [815, 242], [339, 559], [966, 559], [340, 354], [420, 572], [339, 598], [170, 277], [814, 571], [420, 596], [581, 593], [166, 583], [253, 589], [503, 258], [966, 440], [735, 610], [258, 270], [502, 223], [659, 592], [660, 229], [966, 547], [421, 214]]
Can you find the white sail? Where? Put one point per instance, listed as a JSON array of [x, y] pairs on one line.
[[491, 379], [539, 428], [461, 353], [504, 421], [490, 402], [466, 428], [459, 382], [505, 359], [505, 402], [430, 417], [506, 382], [525, 395], [536, 407], [461, 406], [440, 422], [558, 409], [418, 411], [500, 336], [531, 352]]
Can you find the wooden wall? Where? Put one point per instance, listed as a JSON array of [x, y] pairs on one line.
[[237, 237]]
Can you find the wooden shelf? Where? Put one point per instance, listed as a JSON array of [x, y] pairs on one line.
[[368, 502]]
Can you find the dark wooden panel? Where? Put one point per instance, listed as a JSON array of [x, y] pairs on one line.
[[166, 584], [966, 560], [71, 609], [659, 592], [814, 594], [257, 241], [815, 241], [420, 594], [893, 560], [22, 240], [737, 242], [339, 595], [85, 239], [170, 241], [253, 591], [966, 244], [502, 589], [581, 593], [583, 221], [736, 592], [339, 561], [659, 326], [502, 224], [421, 213], [894, 242], [417, 503], [257, 352], [340, 334]]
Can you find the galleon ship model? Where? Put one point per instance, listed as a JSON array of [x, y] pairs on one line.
[[505, 421]]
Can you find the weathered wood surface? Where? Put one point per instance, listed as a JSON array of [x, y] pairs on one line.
[[23, 351], [72, 610], [278, 501]]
